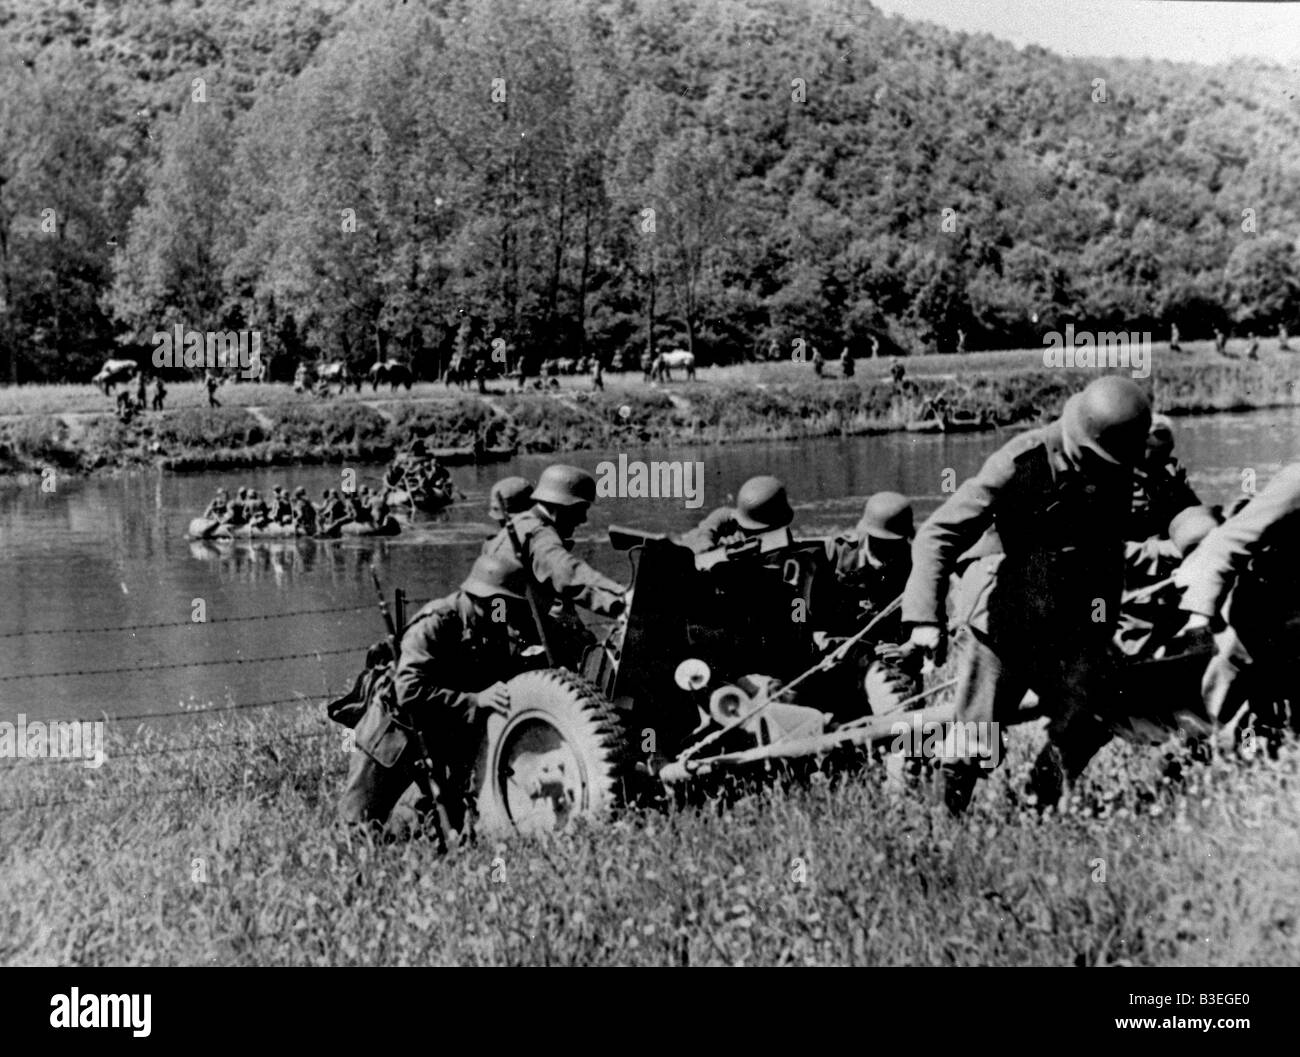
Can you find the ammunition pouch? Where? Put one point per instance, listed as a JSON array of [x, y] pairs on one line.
[[349, 708], [380, 734]]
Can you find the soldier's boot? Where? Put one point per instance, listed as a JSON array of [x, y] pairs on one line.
[[956, 786]]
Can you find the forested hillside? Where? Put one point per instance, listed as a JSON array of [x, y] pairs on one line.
[[361, 177]]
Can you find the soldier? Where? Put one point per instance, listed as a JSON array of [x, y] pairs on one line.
[[259, 512], [961, 340], [304, 514], [1149, 616], [1174, 345], [456, 655], [875, 347], [359, 505], [141, 393], [379, 507], [1252, 350], [871, 568], [159, 393], [761, 505], [647, 366], [597, 374], [1160, 487], [335, 513], [873, 564], [544, 534], [1220, 342], [237, 513], [846, 362], [282, 508], [217, 508], [818, 363], [210, 383], [1058, 499], [509, 496], [1242, 584], [1282, 338], [897, 372]]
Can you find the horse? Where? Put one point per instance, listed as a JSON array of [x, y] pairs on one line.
[[675, 358], [337, 372], [115, 372], [395, 372], [459, 372]]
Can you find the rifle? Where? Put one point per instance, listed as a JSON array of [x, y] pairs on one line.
[[424, 777], [530, 592], [752, 546]]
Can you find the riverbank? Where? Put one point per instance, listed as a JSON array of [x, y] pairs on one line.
[[273, 426], [216, 844]]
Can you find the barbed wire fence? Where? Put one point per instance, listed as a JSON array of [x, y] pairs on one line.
[[263, 742]]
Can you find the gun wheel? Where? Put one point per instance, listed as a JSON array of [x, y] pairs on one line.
[[558, 756]]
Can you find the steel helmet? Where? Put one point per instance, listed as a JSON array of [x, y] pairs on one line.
[[496, 576], [300, 492], [887, 516], [1111, 417], [762, 504], [510, 495], [565, 486], [1190, 526]]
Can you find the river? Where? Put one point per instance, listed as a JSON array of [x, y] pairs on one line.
[[111, 553]]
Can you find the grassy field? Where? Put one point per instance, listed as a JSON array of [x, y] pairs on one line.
[[67, 427], [229, 854]]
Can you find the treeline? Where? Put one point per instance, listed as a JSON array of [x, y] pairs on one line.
[[556, 177]]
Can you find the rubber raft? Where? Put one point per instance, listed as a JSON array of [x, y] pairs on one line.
[[203, 528], [428, 499]]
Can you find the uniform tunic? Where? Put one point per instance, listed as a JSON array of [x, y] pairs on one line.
[[557, 574]]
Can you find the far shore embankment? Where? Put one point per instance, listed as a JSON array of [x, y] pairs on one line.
[[71, 429]]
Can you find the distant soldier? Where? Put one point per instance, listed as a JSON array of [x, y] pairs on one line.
[[846, 362], [542, 536], [237, 512], [597, 374], [1243, 584], [647, 367], [773, 351], [282, 509], [159, 394], [1160, 486], [875, 347], [1220, 342], [897, 372], [509, 496], [1174, 345], [1282, 338], [1252, 350], [379, 507], [336, 511], [141, 392], [1055, 502], [358, 508], [218, 507], [259, 511], [761, 506], [818, 363], [210, 383], [961, 340], [304, 514], [301, 378], [457, 654]]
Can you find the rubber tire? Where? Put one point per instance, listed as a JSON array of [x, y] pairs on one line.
[[589, 726]]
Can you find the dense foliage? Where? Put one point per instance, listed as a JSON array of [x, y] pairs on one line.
[[565, 176]]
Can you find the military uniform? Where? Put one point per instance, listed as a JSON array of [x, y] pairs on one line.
[[1246, 570], [1158, 495], [305, 517], [557, 575], [1048, 604], [448, 653], [867, 586]]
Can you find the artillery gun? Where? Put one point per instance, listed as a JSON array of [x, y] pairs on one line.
[[718, 664]]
